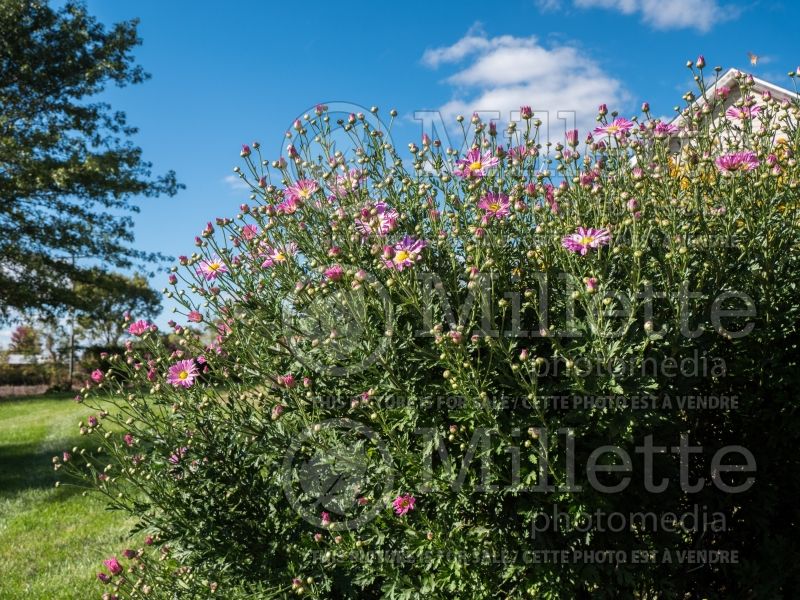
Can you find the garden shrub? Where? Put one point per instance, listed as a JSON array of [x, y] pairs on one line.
[[23, 374], [414, 348]]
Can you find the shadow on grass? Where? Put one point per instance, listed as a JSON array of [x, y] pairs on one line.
[[39, 397], [26, 467]]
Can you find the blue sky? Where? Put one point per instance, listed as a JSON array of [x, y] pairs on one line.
[[226, 76]]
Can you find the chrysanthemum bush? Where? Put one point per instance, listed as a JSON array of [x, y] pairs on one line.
[[420, 357]]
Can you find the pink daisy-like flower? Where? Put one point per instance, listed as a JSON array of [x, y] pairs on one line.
[[588, 178], [211, 268], [772, 161], [550, 198], [334, 273], [97, 376], [495, 206], [325, 519], [664, 129], [128, 438], [586, 238], [178, 455], [517, 152], [403, 504], [275, 256], [183, 373], [195, 316], [249, 232], [475, 164], [743, 113], [348, 182], [572, 137], [617, 127], [301, 191], [287, 381], [112, 564], [138, 328], [729, 164], [406, 252], [386, 218], [288, 207], [376, 220]]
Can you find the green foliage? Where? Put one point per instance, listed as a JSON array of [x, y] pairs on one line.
[[27, 374], [25, 340], [340, 381], [67, 168], [105, 302]]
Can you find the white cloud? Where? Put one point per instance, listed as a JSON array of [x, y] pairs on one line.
[[667, 14], [474, 41], [548, 5], [235, 183], [505, 72]]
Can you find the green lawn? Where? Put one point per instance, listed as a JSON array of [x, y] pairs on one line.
[[52, 540]]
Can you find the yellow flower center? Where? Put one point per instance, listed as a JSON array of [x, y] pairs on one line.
[[280, 257], [401, 256], [476, 166], [494, 206], [183, 375], [215, 266], [586, 240], [612, 129], [304, 193]]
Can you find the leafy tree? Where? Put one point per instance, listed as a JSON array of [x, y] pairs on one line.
[[104, 303], [68, 171], [54, 336], [55, 347], [25, 340]]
